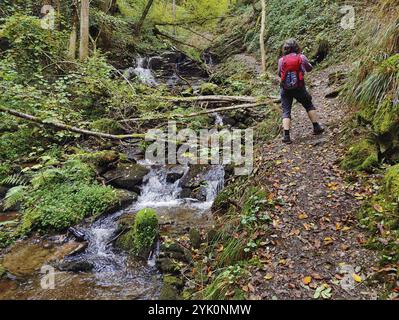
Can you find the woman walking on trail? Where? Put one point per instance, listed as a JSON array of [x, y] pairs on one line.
[[291, 70]]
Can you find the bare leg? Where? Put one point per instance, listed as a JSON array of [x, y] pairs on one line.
[[312, 114], [287, 123]]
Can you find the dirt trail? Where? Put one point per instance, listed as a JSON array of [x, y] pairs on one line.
[[315, 233]]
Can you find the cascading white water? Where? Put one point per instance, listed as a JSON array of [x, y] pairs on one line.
[[143, 73], [218, 119]]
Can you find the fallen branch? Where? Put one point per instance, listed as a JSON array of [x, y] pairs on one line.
[[194, 114], [221, 99], [167, 36], [61, 126]]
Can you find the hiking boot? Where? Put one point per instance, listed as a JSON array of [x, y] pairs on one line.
[[287, 140], [318, 130]]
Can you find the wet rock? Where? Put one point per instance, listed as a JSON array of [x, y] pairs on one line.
[[155, 63], [26, 258], [169, 292], [75, 266], [78, 234], [127, 176], [175, 174], [195, 238], [176, 252], [168, 265], [100, 161], [195, 176], [171, 287], [126, 198]]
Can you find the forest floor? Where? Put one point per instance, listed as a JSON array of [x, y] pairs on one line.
[[315, 235]]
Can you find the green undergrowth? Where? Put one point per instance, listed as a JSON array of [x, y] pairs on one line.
[[380, 215], [57, 198], [243, 212]]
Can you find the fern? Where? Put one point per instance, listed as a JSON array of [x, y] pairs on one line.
[[13, 196], [14, 180]]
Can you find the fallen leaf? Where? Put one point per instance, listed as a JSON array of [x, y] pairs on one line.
[[307, 280], [328, 241], [302, 216], [268, 276], [357, 278]]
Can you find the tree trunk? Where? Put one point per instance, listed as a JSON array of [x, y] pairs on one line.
[[84, 30], [74, 33], [262, 36], [144, 15]]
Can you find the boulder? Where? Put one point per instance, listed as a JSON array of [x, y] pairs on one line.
[[155, 63], [168, 265], [174, 174], [195, 238], [127, 176], [171, 287], [75, 266]]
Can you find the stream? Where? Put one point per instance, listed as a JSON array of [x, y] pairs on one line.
[[115, 274]]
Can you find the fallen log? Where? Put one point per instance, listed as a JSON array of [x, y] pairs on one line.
[[194, 114], [62, 126], [215, 98], [222, 99]]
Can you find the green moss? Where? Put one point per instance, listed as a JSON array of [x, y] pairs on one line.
[[141, 237], [98, 160], [107, 125], [391, 183], [362, 156], [208, 88], [380, 215]]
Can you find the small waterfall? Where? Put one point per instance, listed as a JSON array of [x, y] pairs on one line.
[[157, 191], [143, 73], [218, 119]]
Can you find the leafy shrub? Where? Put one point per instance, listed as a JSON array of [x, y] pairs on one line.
[[60, 197]]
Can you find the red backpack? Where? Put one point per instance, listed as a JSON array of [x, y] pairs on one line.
[[291, 72]]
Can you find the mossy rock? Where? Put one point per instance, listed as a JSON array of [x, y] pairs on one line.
[[127, 176], [107, 125], [101, 161], [173, 281], [195, 238], [391, 183], [168, 265], [169, 292], [362, 156], [209, 88], [140, 239]]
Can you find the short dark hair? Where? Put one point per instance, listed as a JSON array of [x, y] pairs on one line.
[[291, 46]]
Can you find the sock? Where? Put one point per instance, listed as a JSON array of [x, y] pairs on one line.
[[316, 125], [287, 133]]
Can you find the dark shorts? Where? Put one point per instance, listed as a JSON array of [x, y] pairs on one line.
[[301, 95]]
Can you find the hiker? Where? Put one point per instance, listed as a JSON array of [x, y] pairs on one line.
[[291, 70]]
